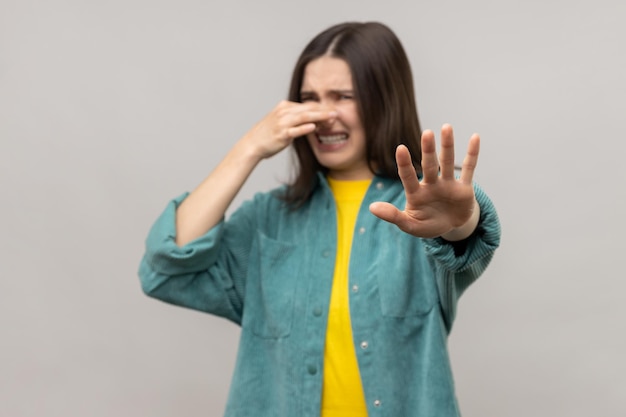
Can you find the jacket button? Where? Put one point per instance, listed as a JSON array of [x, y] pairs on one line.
[[380, 185], [317, 311], [312, 369], [364, 345], [377, 403]]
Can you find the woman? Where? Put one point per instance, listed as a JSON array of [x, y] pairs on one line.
[[342, 314]]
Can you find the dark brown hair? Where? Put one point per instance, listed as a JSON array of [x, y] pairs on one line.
[[383, 88]]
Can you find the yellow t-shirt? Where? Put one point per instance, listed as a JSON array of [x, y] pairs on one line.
[[342, 392]]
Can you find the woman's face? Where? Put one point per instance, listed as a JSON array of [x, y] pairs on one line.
[[339, 143]]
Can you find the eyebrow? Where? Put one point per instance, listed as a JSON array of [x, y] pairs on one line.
[[307, 92]]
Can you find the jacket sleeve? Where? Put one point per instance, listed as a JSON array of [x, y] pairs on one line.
[[207, 274], [459, 264]]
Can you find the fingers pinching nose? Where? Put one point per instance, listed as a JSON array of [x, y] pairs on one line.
[[327, 121]]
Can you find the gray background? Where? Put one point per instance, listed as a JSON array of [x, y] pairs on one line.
[[110, 108]]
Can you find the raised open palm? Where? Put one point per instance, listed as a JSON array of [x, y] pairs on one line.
[[440, 204]]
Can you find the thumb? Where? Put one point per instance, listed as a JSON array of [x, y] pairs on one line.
[[385, 211]]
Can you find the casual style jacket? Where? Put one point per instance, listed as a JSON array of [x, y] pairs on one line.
[[269, 269]]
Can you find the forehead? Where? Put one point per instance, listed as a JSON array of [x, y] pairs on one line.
[[327, 73]]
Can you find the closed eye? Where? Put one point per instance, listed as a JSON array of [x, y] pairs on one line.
[[305, 97], [343, 94], [336, 95]]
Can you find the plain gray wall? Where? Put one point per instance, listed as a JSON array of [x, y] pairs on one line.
[[110, 108]]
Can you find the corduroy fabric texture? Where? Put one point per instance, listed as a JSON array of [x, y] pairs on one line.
[[270, 270]]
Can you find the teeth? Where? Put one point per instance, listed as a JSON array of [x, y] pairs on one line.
[[332, 138]]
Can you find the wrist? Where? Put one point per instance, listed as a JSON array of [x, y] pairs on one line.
[[247, 151], [464, 231]]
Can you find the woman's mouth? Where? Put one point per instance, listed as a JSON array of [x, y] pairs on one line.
[[331, 139]]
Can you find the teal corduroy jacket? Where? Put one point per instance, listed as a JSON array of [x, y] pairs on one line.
[[269, 269]]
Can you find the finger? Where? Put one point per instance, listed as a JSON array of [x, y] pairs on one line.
[[446, 157], [311, 116], [406, 170], [311, 106], [301, 130], [385, 211], [287, 108], [471, 159], [430, 164], [389, 213]]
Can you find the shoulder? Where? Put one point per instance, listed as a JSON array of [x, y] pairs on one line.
[[265, 206]]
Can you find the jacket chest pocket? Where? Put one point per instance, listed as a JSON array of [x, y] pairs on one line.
[[270, 288], [407, 288]]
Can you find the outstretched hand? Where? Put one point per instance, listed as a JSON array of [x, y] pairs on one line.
[[439, 204]]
